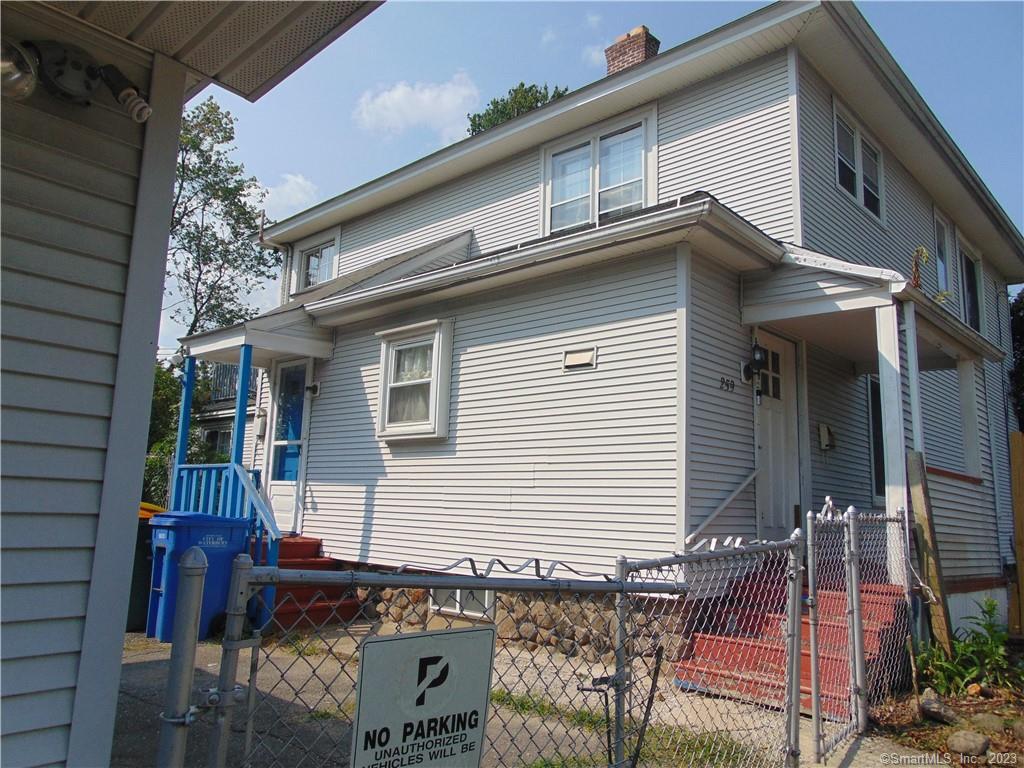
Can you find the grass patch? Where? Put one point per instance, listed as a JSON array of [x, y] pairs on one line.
[[303, 646], [663, 744], [340, 712]]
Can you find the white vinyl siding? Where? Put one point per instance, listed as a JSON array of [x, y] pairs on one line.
[[797, 283], [838, 397], [730, 136], [538, 462], [69, 180], [500, 204], [721, 430]]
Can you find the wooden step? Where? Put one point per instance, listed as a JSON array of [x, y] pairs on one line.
[[766, 657], [292, 547], [308, 564], [298, 617]]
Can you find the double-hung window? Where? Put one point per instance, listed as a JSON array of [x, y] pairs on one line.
[[942, 251], [858, 165], [415, 374], [316, 265], [970, 287], [599, 176]]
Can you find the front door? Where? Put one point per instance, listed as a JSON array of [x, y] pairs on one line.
[[778, 481], [288, 444]]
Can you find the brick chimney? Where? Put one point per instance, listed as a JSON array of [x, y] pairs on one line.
[[635, 46]]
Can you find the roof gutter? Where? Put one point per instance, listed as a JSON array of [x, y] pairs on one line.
[[691, 211]]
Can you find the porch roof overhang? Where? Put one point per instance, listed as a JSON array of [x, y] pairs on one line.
[[831, 304], [272, 337], [245, 46], [698, 219]]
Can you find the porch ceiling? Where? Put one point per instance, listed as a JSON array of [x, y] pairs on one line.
[[246, 47], [293, 335]]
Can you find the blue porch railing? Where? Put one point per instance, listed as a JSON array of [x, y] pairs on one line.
[[229, 490]]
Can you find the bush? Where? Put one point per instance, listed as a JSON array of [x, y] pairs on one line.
[[160, 461], [979, 656]]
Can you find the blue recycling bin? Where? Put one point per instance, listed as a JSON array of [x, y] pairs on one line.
[[221, 538]]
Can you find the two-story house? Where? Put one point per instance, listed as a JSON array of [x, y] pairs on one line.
[[675, 301]]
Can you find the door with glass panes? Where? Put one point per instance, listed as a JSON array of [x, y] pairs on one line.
[[286, 444]]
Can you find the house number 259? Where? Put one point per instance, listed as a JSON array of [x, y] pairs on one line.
[[727, 385]]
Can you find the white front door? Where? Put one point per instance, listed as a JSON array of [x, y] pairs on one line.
[[286, 455], [778, 482]]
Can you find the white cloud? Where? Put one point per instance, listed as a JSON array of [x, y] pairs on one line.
[[442, 107], [594, 55], [548, 36], [294, 193], [593, 20]]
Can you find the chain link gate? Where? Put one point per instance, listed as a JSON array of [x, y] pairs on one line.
[[588, 670], [858, 618]]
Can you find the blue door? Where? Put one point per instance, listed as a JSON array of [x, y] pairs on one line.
[[288, 444]]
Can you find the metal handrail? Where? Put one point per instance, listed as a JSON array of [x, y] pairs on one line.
[[259, 505], [721, 507]]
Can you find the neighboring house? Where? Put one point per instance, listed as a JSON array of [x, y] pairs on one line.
[[216, 417], [532, 343], [86, 209]]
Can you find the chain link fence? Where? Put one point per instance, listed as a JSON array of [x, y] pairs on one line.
[[858, 627], [639, 669]]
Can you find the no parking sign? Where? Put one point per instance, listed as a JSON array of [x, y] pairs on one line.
[[422, 699]]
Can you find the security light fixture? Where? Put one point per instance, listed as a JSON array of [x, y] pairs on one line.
[[19, 71], [758, 359]]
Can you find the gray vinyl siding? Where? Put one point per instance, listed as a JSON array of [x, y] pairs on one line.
[[500, 204], [69, 178], [964, 527], [940, 416], [1001, 414], [721, 424], [730, 136], [578, 466], [838, 397]]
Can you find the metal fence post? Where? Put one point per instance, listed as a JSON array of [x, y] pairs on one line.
[[178, 711], [853, 587], [796, 556], [621, 615], [226, 695], [812, 617]]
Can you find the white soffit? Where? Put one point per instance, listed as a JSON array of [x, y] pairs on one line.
[[246, 47]]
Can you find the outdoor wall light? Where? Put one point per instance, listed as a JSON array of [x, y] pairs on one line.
[[758, 359], [19, 71]]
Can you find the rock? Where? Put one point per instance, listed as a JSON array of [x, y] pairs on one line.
[[1018, 728], [387, 594], [609, 658], [568, 647], [416, 596], [530, 645], [987, 722], [974, 689], [396, 613], [968, 743], [507, 628], [933, 707], [592, 655], [528, 631]]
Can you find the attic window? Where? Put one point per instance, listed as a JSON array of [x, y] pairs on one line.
[[579, 359], [317, 265]]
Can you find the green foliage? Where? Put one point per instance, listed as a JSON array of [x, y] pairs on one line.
[[160, 462], [163, 412], [212, 264], [1017, 371], [979, 656], [519, 101]]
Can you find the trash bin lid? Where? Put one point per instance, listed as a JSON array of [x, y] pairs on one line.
[[196, 520], [147, 510]]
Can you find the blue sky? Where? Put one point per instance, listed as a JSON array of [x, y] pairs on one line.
[[399, 84]]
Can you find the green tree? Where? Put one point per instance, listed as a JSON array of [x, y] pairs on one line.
[[1017, 371], [212, 264], [519, 101]]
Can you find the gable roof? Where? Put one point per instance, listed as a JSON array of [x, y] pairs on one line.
[[834, 37]]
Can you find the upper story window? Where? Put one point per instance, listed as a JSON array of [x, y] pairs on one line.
[[970, 287], [598, 176], [316, 265], [415, 375], [942, 251], [858, 165]]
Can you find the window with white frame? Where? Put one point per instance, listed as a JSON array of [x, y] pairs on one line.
[[943, 247], [970, 287], [858, 164], [415, 375], [316, 265], [468, 602], [600, 176]]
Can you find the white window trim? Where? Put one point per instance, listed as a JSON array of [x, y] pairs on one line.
[[963, 245], [297, 269], [860, 134], [486, 613], [304, 256], [440, 333], [941, 218], [647, 117]]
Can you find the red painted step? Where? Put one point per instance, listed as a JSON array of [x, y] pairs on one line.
[[292, 547], [832, 633], [766, 657], [294, 616], [303, 607], [307, 564]]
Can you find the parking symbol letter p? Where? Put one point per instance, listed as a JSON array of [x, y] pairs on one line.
[[422, 686]]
